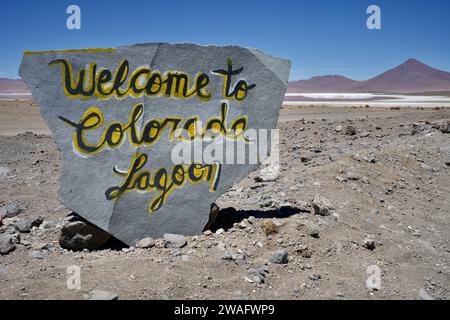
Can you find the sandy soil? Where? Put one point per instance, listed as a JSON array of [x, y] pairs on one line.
[[388, 182], [19, 116]]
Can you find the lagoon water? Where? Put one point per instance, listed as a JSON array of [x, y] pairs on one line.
[[362, 99]]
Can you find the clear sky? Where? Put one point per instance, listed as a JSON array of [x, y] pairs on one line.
[[319, 37]]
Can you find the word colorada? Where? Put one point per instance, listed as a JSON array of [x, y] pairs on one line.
[[114, 134]]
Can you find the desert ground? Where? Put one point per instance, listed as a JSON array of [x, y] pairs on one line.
[[382, 172]]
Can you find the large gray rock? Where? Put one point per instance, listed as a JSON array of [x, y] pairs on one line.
[[116, 130]]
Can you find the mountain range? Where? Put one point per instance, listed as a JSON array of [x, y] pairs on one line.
[[12, 85], [412, 76]]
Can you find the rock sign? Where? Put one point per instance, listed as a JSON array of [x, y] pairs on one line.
[[117, 114]]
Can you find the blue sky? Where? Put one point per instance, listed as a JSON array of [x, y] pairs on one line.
[[319, 37]]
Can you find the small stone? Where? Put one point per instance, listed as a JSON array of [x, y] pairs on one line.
[[9, 222], [269, 227], [6, 243], [25, 243], [279, 257], [227, 256], [207, 233], [145, 243], [352, 176], [258, 274], [370, 158], [314, 277], [25, 225], [374, 211], [242, 225], [39, 254], [369, 243], [159, 243], [427, 167], [350, 130], [338, 129], [39, 245], [258, 279], [322, 206], [220, 231], [314, 231], [239, 256], [10, 210], [252, 220], [174, 240], [102, 295]]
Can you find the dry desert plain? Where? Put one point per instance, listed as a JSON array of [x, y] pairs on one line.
[[383, 174]]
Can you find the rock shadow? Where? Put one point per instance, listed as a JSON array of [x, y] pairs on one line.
[[228, 216]]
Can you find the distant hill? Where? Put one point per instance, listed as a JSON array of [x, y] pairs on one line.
[[322, 84], [409, 77], [13, 89], [12, 85]]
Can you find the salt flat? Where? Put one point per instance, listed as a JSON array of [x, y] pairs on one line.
[[372, 99]]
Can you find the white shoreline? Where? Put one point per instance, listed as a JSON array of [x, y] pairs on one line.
[[371, 99]]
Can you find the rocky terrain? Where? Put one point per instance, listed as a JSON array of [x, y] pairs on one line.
[[360, 190]]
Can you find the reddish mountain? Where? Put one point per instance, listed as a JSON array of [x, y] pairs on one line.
[[411, 76], [334, 83]]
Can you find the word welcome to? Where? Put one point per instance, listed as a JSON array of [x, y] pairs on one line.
[[102, 83]]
